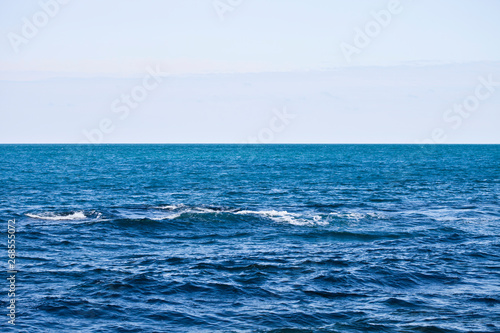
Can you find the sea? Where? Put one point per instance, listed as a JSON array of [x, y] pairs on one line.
[[251, 238]]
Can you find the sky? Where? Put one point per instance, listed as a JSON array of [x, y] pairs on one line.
[[67, 67]]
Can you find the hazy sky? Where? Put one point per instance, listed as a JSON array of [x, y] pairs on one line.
[[121, 38], [96, 36]]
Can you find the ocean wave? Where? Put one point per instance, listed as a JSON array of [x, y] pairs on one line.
[[80, 215], [170, 207], [279, 216], [173, 212], [355, 216], [176, 211], [196, 209], [167, 217], [285, 217]]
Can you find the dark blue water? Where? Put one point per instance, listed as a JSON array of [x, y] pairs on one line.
[[298, 238]]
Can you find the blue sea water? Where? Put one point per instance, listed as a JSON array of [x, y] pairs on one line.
[[253, 238]]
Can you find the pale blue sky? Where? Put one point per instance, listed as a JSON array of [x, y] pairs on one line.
[[121, 38]]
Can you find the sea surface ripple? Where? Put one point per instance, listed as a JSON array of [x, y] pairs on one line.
[[254, 238]]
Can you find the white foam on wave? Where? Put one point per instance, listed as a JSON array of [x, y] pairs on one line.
[[168, 217], [182, 209], [355, 216], [285, 217], [349, 215], [170, 207], [280, 216], [58, 217], [202, 210], [274, 215], [269, 213]]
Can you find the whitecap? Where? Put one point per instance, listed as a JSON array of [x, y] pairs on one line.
[[281, 216], [168, 217], [58, 217], [349, 215], [170, 207]]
